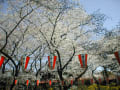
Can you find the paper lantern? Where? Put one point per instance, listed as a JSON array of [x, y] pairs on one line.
[[117, 55], [82, 82], [37, 82], [50, 82], [2, 60], [107, 80], [27, 61], [27, 82], [91, 81], [52, 63], [100, 80], [71, 82], [62, 82], [83, 60], [15, 82]]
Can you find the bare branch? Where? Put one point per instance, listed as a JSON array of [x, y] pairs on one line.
[[69, 59]]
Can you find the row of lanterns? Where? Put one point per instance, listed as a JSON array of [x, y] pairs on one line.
[[27, 82], [55, 81], [62, 82]]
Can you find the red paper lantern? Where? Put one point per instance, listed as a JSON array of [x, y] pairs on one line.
[[62, 82], [54, 62], [117, 55], [37, 82], [82, 82], [91, 81], [83, 60], [100, 80], [107, 80], [50, 82], [71, 82], [27, 61], [15, 82], [27, 82], [2, 60]]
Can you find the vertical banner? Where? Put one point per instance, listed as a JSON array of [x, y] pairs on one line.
[[37, 82], [86, 60], [50, 82], [117, 55], [51, 63], [54, 61], [27, 61], [83, 60], [2, 60], [27, 82], [80, 59], [15, 82]]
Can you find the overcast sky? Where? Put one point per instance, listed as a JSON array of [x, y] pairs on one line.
[[111, 8]]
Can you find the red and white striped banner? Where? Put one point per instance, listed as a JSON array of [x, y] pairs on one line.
[[52, 66], [83, 60], [27, 61], [2, 60]]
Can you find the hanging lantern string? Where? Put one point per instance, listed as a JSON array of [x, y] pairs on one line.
[[71, 80]]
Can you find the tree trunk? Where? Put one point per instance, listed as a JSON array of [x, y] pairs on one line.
[[13, 84]]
